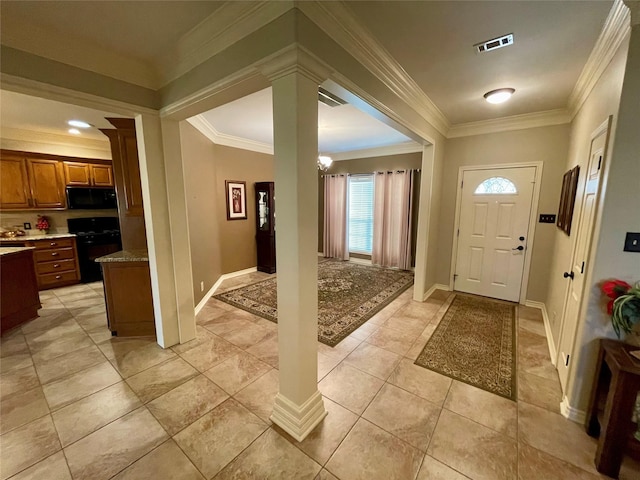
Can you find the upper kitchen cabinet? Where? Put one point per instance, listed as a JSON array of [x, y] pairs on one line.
[[14, 183], [88, 174], [46, 179]]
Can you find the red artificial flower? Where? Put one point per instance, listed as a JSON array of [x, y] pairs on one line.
[[615, 288], [610, 307]]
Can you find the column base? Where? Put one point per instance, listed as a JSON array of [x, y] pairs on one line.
[[298, 420]]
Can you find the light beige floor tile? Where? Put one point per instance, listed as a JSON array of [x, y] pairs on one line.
[[405, 415], [167, 462], [341, 350], [432, 469], [350, 387], [183, 405], [51, 468], [18, 380], [87, 415], [497, 413], [132, 355], [325, 438], [100, 335], [248, 336], [49, 318], [202, 336], [271, 456], [158, 380], [13, 344], [420, 342], [475, 450], [373, 360], [79, 385], [27, 445], [532, 326], [92, 322], [325, 475], [237, 372], [230, 321], [89, 310], [266, 351], [420, 381], [209, 354], [40, 339], [325, 365], [15, 362], [406, 325], [362, 332], [530, 313], [22, 408], [47, 352], [259, 396], [69, 363], [370, 453], [539, 391], [218, 437], [441, 295], [105, 452], [555, 435], [534, 464]]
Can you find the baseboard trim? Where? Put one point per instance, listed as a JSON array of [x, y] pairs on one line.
[[434, 287], [553, 352], [216, 285], [570, 413], [298, 420]]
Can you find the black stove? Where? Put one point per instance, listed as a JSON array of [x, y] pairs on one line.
[[95, 237]]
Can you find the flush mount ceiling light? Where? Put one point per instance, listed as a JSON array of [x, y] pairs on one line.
[[500, 95], [75, 131], [324, 163], [79, 124]]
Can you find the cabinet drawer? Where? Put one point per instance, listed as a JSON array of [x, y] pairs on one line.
[[56, 267], [54, 243], [51, 255], [49, 280]]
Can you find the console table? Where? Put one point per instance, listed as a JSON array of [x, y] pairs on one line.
[[616, 385]]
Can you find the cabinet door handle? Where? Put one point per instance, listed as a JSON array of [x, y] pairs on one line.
[[53, 244], [56, 265], [58, 277], [55, 254]]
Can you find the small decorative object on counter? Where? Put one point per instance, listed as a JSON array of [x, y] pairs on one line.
[[623, 304], [42, 224]]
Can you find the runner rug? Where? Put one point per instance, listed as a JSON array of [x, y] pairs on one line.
[[348, 295], [475, 343]]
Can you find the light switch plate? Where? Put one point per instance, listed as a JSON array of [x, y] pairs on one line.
[[632, 242]]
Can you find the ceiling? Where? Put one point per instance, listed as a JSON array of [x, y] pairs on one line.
[[431, 40]]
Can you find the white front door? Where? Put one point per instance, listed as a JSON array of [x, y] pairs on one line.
[[584, 234], [492, 237]]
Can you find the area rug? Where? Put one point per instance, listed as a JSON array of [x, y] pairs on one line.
[[475, 344], [348, 295]]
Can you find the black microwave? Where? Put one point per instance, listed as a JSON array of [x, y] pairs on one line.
[[91, 198]]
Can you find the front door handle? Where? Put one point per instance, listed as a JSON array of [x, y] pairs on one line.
[[569, 275], [519, 247]]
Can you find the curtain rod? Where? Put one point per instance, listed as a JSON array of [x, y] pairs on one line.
[[362, 174]]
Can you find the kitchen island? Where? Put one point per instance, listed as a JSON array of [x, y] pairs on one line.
[[19, 299], [127, 292]]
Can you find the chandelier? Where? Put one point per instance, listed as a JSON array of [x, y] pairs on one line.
[[324, 162]]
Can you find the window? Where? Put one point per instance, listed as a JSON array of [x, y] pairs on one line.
[[360, 213], [496, 185]]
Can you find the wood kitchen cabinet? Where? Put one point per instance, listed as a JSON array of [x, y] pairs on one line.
[[14, 183], [19, 299], [46, 180], [88, 174]]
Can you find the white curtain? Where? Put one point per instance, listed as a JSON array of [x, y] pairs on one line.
[[392, 212], [335, 217]]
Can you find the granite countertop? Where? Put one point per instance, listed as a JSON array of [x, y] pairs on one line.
[[29, 238], [10, 250], [125, 256]]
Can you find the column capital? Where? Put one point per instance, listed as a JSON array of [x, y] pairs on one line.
[[634, 8], [295, 59]]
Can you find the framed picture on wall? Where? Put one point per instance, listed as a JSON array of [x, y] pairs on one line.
[[567, 200], [236, 200]]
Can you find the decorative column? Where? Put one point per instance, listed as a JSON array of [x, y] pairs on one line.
[[420, 286], [298, 405]]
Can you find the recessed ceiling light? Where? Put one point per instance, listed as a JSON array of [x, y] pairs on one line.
[[79, 124], [75, 131], [500, 95]]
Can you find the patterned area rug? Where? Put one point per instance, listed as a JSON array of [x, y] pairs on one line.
[[475, 343], [348, 295]]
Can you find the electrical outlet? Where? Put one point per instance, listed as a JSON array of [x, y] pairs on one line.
[[547, 218], [202, 286], [632, 242], [27, 226]]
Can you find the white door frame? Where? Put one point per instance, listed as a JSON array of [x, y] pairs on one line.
[[532, 219]]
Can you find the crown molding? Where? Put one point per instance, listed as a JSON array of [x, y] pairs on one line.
[[377, 151], [634, 8], [615, 29], [34, 136], [514, 122], [294, 59], [205, 128], [337, 21], [228, 24]]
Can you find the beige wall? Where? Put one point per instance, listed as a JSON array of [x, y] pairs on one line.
[[544, 144], [370, 165], [433, 253]]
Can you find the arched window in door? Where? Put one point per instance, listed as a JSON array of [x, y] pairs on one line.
[[496, 186]]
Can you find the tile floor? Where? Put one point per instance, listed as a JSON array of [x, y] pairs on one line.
[[77, 403]]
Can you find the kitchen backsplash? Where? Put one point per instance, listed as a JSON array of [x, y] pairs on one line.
[[57, 219]]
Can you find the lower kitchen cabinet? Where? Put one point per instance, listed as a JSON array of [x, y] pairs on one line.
[[19, 299], [127, 292]]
